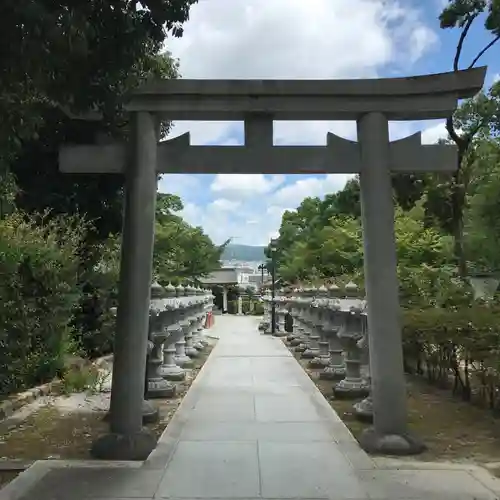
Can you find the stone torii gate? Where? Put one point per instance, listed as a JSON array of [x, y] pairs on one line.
[[372, 103]]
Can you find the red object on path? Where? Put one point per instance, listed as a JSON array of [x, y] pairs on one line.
[[209, 321]]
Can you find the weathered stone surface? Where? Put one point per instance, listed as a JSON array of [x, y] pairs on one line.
[[390, 444], [124, 447]]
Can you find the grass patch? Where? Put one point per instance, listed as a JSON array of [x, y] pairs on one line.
[[49, 434], [6, 476], [452, 429]]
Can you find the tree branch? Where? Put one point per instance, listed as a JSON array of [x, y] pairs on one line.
[[461, 41], [474, 130], [450, 128], [481, 53], [456, 62]]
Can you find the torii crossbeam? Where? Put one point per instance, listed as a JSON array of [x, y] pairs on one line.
[[338, 156]]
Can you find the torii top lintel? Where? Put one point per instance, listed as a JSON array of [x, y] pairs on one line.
[[411, 98]]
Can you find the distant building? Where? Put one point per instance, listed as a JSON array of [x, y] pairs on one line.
[[255, 280], [249, 267], [234, 276], [223, 277]]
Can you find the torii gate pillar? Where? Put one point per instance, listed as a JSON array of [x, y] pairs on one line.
[[127, 440], [382, 289]]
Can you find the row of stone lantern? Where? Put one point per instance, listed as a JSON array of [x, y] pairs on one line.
[[330, 329], [177, 317]]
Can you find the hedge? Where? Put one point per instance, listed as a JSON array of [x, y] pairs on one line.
[[457, 348], [93, 320], [258, 310], [38, 292], [54, 300]]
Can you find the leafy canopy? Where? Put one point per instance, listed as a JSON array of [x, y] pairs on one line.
[[181, 252]]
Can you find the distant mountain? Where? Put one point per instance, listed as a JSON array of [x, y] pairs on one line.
[[244, 253]]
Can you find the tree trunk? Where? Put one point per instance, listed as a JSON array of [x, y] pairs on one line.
[[458, 245], [457, 223]]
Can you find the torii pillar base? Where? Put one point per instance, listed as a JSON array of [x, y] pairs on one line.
[[390, 444], [113, 446]]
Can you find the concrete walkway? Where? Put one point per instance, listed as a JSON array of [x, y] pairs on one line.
[[254, 426]]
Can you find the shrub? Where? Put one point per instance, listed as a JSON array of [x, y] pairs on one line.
[[38, 293], [258, 309], [457, 345], [246, 306], [93, 321], [232, 307]]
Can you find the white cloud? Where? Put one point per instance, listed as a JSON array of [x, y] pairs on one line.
[[182, 185], [293, 194], [225, 205], [222, 224], [254, 219], [285, 39], [245, 185], [205, 132], [296, 39], [276, 210], [432, 134], [311, 133]]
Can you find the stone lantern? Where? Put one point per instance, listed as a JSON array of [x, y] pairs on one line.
[[364, 409], [157, 385], [298, 315], [336, 367], [181, 358], [322, 327], [170, 370], [312, 349], [292, 304], [351, 331]]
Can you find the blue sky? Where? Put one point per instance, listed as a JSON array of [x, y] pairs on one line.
[[297, 39]]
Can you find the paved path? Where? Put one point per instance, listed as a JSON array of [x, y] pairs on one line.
[[254, 426]]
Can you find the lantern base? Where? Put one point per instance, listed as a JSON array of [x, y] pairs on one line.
[[364, 410], [333, 373], [351, 389]]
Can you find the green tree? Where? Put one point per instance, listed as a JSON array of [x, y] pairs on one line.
[[77, 55], [418, 244], [344, 202], [181, 252], [482, 225], [42, 186], [315, 213], [65, 59], [473, 116], [335, 249]]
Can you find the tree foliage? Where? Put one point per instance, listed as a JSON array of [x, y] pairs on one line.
[[182, 252], [76, 55], [66, 59], [38, 293], [474, 115], [64, 64]]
